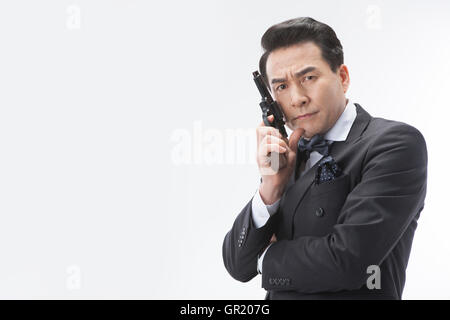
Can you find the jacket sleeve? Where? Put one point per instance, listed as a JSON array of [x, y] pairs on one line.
[[244, 242], [376, 213]]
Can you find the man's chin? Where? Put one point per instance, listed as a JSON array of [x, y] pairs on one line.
[[308, 134]]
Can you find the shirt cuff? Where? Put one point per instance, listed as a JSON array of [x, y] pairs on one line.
[[262, 212], [260, 259]]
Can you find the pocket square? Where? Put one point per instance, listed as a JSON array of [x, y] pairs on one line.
[[327, 170]]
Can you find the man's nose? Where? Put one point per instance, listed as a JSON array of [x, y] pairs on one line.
[[298, 98]]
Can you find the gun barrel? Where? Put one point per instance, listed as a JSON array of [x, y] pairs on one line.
[[262, 87]]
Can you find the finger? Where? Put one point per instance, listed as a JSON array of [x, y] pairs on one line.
[[268, 148], [295, 136], [262, 131], [271, 118], [272, 139]]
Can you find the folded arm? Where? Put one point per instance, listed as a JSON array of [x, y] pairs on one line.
[[371, 222]]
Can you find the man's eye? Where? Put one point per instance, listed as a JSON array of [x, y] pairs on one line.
[[281, 87], [307, 79]]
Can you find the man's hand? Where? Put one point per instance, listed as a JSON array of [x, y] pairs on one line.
[[276, 160], [273, 239]]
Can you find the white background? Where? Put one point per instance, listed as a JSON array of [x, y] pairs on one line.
[[121, 166]]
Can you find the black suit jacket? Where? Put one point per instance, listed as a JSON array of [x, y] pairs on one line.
[[329, 234]]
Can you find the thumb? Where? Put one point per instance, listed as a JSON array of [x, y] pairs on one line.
[[295, 136]]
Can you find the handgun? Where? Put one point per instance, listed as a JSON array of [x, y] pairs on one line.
[[269, 106]]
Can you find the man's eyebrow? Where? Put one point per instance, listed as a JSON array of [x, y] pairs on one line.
[[297, 74]]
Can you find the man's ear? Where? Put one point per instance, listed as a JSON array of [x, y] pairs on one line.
[[344, 77]]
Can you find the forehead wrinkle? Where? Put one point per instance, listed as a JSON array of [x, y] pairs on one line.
[[284, 58], [295, 72]]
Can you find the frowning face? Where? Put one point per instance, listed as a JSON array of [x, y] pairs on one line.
[[310, 94]]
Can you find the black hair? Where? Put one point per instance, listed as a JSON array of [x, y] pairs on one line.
[[300, 30]]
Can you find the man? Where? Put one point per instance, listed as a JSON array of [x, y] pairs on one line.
[[337, 219]]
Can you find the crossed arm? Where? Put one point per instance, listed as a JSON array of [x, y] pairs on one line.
[[372, 220]]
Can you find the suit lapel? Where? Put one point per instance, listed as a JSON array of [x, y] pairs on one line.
[[296, 190]]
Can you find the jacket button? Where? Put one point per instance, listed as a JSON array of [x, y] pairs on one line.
[[319, 212]]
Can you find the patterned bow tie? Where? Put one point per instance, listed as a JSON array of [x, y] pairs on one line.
[[305, 147], [317, 143]]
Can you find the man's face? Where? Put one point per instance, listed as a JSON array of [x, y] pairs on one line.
[[310, 94]]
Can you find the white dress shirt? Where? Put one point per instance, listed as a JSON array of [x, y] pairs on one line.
[[339, 132]]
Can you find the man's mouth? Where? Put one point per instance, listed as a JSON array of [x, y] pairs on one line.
[[305, 116]]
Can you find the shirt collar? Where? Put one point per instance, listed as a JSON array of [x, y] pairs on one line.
[[341, 128]]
